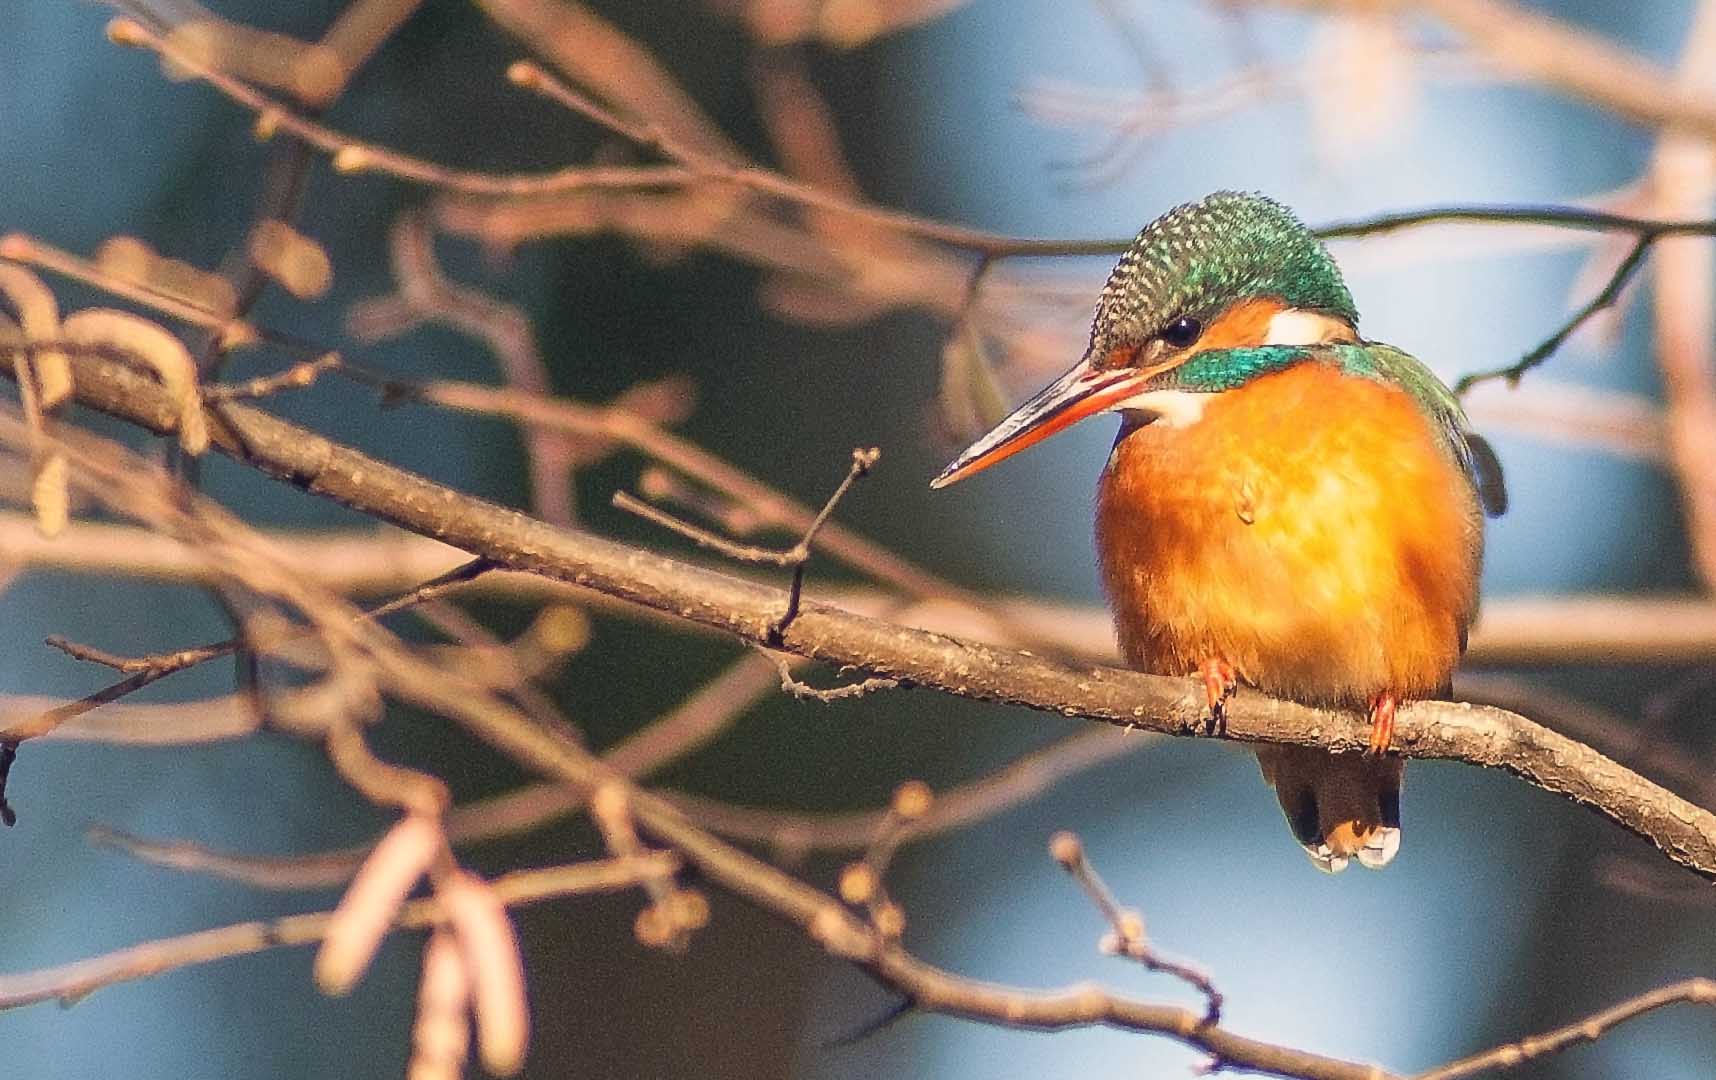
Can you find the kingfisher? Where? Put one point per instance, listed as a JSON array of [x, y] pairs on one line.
[[1287, 505]]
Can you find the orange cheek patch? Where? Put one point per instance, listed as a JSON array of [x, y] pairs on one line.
[[1245, 323]]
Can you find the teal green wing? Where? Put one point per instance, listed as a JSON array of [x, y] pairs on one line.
[[1385, 363]]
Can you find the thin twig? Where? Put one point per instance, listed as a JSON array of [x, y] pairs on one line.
[[70, 983], [1590, 1029], [1610, 292], [797, 556], [805, 692], [150, 669], [862, 462], [751, 553], [296, 377], [865, 881], [1127, 925]]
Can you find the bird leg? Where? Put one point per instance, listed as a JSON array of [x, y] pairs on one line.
[[1381, 724], [1219, 682]]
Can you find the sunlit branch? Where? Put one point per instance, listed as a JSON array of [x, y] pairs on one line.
[[747, 611]]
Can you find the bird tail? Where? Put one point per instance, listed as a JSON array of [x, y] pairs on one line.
[[1339, 806]]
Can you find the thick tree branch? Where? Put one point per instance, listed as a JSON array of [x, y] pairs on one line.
[[1488, 737]]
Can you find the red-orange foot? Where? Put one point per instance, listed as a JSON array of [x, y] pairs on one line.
[[1220, 680], [1381, 724]]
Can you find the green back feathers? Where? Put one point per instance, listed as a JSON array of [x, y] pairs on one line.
[[1199, 258], [1215, 370]]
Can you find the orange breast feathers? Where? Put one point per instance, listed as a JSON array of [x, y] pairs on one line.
[[1308, 529]]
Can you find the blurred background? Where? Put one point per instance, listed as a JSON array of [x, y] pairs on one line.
[[1508, 912]]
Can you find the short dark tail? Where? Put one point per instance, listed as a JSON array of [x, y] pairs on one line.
[[1339, 806]]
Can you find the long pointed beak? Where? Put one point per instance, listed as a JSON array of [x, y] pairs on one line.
[[1083, 391]]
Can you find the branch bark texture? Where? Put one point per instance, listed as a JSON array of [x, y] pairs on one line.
[[749, 611]]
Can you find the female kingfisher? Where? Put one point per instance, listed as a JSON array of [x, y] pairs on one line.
[[1287, 504]]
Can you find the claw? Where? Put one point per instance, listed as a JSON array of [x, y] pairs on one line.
[[1220, 680], [1381, 724]]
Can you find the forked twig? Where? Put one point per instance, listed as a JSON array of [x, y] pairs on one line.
[[1610, 292], [806, 692], [1127, 936], [797, 556], [144, 670]]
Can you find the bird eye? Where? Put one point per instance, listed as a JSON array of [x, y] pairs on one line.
[[1182, 331]]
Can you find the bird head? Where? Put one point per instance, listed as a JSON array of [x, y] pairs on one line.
[[1228, 271]]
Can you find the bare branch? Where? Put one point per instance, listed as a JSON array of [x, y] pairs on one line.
[[72, 982], [1552, 53], [1590, 1029], [1128, 925], [1610, 292], [144, 670], [805, 692], [296, 377], [1490, 737]]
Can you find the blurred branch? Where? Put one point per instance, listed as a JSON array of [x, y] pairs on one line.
[[1480, 736], [69, 983], [791, 835], [615, 68], [1550, 53], [1132, 118], [1510, 630], [1590, 1029], [1568, 414], [1683, 180], [352, 155], [425, 296]]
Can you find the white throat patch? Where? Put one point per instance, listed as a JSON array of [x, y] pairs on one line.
[[1171, 408]]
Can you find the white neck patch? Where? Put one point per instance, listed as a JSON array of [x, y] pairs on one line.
[[1297, 327]]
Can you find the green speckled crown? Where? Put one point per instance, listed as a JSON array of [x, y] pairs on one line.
[[1198, 258]]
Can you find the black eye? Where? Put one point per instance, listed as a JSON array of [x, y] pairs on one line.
[[1182, 331]]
